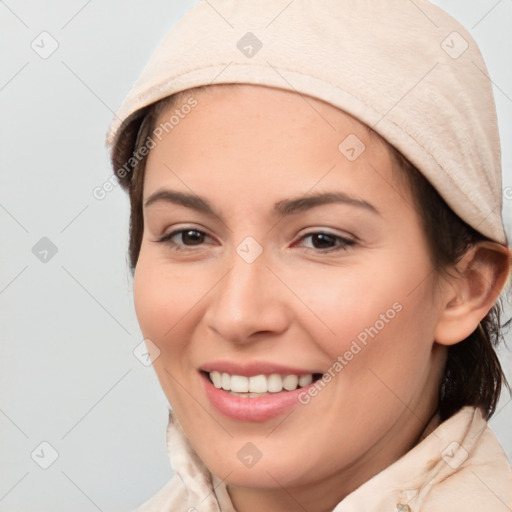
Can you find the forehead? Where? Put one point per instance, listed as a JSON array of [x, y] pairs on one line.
[[261, 138], [255, 104]]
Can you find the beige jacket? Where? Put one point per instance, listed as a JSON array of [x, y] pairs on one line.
[[459, 466]]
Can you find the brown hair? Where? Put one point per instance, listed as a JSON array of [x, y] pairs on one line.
[[473, 375]]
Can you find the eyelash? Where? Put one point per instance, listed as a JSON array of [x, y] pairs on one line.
[[345, 243]]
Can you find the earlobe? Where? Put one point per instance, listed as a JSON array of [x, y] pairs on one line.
[[473, 287]]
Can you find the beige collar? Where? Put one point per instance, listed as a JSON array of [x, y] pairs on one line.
[[460, 453]]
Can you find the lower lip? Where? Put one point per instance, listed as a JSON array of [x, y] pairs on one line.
[[251, 409]]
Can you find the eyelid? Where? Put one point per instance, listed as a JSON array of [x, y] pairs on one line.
[[327, 231]]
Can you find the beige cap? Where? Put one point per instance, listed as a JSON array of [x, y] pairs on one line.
[[404, 67]]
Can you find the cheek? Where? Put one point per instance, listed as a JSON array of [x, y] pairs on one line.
[[165, 301], [376, 315], [163, 296], [169, 300], [387, 354], [150, 297], [350, 301]]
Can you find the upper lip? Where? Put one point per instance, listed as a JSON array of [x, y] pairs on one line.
[[253, 368]]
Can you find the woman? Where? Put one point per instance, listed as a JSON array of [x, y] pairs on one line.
[[318, 254]]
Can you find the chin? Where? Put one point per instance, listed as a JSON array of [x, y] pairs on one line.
[[263, 475]]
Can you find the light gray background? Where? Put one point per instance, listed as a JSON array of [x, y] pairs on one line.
[[68, 375]]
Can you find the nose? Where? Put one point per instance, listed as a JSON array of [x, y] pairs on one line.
[[248, 303]]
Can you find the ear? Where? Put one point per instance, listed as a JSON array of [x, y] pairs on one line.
[[472, 288]]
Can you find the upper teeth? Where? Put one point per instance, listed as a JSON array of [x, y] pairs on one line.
[[259, 383]]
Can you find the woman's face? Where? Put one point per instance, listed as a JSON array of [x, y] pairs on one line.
[[279, 245]]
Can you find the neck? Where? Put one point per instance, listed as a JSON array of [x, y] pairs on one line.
[[325, 494]]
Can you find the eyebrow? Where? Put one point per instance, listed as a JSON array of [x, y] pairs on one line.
[[300, 204], [189, 200], [283, 208]]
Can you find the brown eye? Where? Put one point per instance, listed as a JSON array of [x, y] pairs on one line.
[[326, 242], [192, 237], [323, 241], [185, 237]]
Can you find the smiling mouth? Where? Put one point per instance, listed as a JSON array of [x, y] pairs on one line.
[[259, 385]]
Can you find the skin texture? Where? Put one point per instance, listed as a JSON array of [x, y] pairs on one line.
[[244, 150]]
